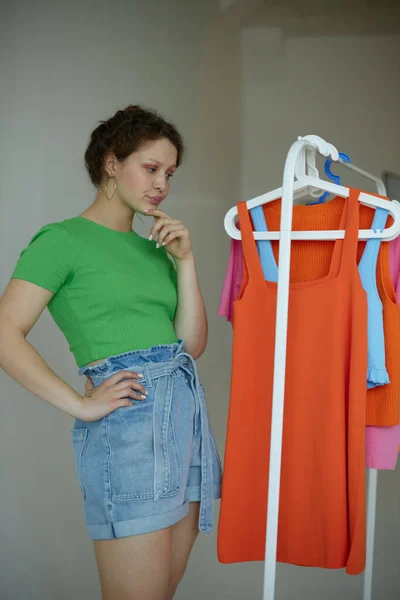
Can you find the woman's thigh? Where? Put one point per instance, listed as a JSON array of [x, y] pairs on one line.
[[184, 535], [135, 567]]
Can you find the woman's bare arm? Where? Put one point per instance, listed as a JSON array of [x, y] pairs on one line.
[[20, 307], [190, 319]]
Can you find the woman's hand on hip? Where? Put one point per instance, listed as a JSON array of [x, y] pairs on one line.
[[170, 233], [113, 393]]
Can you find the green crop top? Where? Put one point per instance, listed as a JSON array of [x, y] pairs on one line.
[[113, 291]]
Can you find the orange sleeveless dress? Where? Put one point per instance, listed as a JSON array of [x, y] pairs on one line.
[[322, 498], [310, 260]]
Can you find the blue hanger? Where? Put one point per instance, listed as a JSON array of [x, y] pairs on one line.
[[335, 178]]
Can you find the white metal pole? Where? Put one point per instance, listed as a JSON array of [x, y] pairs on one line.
[[372, 473], [279, 372], [371, 512]]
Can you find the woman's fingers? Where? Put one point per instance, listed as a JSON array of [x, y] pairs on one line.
[[124, 383], [160, 223], [171, 237], [167, 230], [117, 377], [130, 385], [129, 393]]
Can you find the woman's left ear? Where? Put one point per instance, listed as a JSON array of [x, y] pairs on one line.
[[110, 164]]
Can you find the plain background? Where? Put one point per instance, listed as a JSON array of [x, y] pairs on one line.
[[241, 80]]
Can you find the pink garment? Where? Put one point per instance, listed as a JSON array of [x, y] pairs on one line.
[[232, 281], [394, 264], [382, 443], [382, 447]]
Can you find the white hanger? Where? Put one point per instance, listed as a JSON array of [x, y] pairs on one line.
[[302, 187]]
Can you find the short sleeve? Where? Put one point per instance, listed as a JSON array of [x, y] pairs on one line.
[[49, 258]]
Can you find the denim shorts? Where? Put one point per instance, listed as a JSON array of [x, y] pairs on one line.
[[140, 466]]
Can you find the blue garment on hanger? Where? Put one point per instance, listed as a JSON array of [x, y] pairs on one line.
[[377, 373]]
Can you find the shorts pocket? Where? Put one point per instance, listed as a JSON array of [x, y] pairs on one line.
[[79, 437], [144, 461]]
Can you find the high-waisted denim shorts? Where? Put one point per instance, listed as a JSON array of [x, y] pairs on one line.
[[140, 466]]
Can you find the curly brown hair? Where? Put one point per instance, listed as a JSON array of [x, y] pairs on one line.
[[123, 134]]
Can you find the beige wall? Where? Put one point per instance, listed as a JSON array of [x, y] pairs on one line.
[[241, 85], [63, 68]]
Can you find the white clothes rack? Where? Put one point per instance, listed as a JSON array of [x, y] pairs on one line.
[[299, 163]]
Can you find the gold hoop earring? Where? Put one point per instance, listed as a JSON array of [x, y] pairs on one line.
[[105, 190]]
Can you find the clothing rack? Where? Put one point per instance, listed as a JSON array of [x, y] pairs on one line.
[[301, 154]]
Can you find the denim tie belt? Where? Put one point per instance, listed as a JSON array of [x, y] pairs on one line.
[[162, 408]]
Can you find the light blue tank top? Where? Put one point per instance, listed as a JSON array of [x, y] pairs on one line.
[[377, 373]]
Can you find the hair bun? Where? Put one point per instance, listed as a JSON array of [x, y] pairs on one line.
[[133, 108]]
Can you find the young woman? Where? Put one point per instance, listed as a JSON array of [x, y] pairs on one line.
[[145, 454]]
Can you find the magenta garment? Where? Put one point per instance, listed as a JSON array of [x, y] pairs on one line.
[[394, 264], [232, 281], [382, 443]]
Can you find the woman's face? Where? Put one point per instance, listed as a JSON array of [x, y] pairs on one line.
[[143, 179]]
